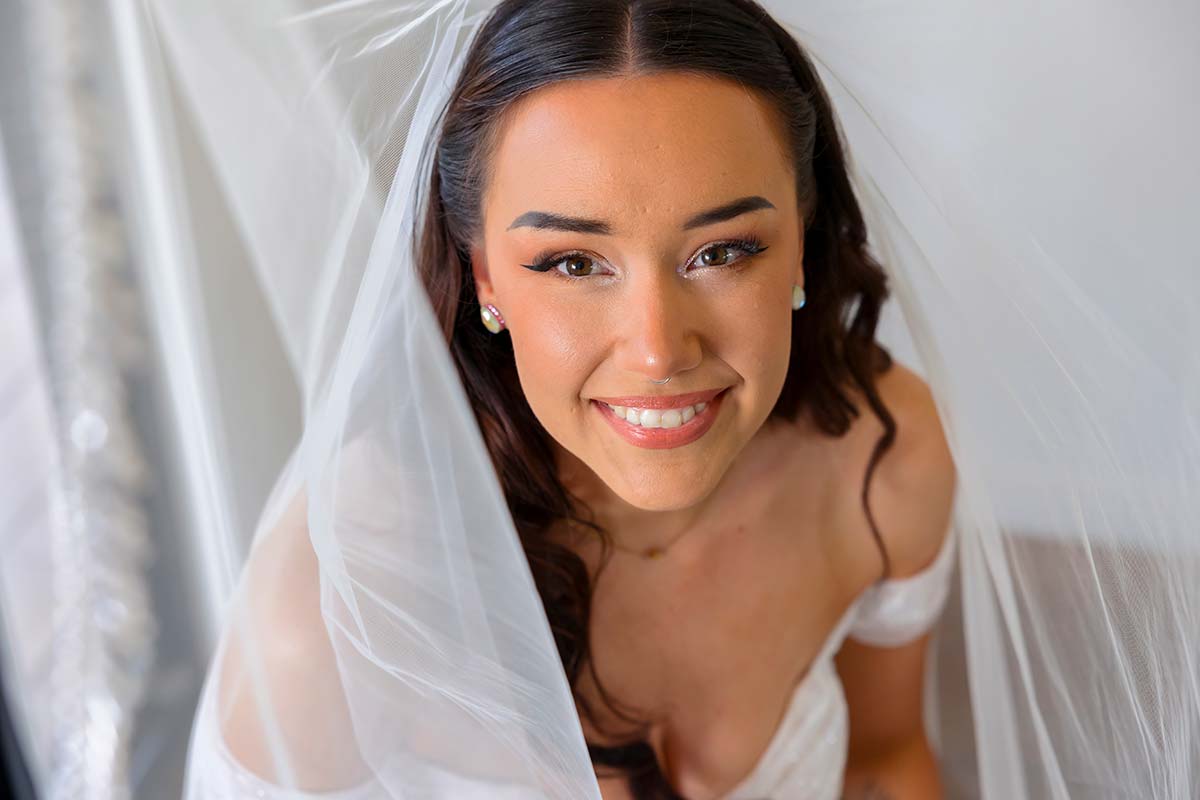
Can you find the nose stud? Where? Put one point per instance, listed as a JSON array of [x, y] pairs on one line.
[[664, 380]]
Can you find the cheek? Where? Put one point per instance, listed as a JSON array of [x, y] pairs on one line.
[[753, 330], [554, 351]]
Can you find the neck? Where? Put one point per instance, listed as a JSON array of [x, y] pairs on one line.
[[628, 526]]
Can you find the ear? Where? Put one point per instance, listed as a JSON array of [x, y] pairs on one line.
[[483, 281]]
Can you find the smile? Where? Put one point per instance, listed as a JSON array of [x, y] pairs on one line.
[[661, 422]]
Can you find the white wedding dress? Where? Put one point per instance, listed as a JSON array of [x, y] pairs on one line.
[[805, 759]]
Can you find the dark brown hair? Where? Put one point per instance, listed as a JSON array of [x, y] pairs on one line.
[[527, 44]]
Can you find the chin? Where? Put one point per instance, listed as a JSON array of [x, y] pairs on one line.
[[653, 490]]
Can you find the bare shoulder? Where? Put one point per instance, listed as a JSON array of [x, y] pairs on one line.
[[278, 671], [912, 489], [916, 478]]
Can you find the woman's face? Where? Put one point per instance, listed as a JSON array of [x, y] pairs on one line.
[[642, 202]]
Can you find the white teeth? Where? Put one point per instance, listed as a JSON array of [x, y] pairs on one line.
[[658, 418]]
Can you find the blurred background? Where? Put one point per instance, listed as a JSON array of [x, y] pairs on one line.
[[108, 605]]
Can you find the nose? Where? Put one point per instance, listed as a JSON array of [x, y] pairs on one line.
[[658, 333]]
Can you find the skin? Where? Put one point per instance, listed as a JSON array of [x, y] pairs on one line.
[[768, 543], [608, 335]]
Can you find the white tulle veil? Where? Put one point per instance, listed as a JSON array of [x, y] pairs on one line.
[[1029, 175]]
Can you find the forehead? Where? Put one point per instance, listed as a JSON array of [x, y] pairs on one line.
[[640, 151]]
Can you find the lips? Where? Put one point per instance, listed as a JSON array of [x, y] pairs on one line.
[[658, 438], [663, 400]]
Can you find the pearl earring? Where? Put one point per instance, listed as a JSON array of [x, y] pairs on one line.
[[798, 298], [491, 318]]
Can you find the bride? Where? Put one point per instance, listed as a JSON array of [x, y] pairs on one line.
[[607, 486], [642, 242]]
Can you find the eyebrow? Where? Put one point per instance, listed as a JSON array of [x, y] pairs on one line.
[[545, 220]]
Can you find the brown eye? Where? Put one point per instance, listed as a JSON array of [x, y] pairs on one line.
[[733, 251], [577, 266], [716, 256]]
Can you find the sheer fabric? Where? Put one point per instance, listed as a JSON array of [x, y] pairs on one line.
[[1028, 174]]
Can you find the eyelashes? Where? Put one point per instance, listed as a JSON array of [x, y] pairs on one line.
[[749, 245]]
